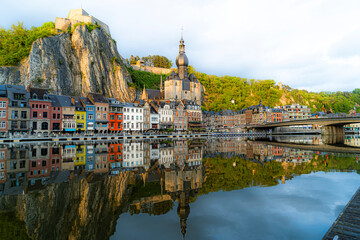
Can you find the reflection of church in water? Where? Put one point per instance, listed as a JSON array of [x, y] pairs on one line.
[[179, 171]]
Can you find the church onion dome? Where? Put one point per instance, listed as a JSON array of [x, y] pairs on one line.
[[182, 60]]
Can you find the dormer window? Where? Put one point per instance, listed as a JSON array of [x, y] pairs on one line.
[[45, 97], [35, 96]]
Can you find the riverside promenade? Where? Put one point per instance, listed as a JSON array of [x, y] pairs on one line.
[[347, 225]]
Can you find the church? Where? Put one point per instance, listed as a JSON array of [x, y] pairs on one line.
[[177, 86]]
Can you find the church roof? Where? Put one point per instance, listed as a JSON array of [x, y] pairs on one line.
[[173, 75], [153, 93], [193, 78]]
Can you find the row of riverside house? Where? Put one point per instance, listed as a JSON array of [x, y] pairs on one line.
[[36, 111], [254, 115]]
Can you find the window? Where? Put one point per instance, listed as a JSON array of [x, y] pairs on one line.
[[3, 114], [54, 116], [58, 116], [77, 116], [104, 116], [90, 116], [44, 126], [118, 117], [44, 152], [45, 115], [14, 114], [82, 116], [98, 116], [112, 117], [2, 104], [23, 114]]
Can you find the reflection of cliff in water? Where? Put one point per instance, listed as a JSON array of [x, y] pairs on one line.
[[71, 210]]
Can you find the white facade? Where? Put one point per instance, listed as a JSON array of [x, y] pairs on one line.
[[166, 156], [166, 114], [154, 120], [133, 117], [133, 155]]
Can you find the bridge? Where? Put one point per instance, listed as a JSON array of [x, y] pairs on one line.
[[329, 125]]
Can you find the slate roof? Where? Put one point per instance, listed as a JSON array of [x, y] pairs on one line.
[[38, 93], [97, 97], [62, 101], [153, 93]]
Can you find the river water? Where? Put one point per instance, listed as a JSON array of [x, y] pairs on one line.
[[224, 188]]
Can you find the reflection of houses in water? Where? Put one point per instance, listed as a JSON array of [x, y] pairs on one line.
[[80, 157], [115, 155], [101, 158], [166, 155], [68, 156], [133, 155], [17, 167], [90, 158], [352, 140], [257, 152], [3, 161], [39, 165]]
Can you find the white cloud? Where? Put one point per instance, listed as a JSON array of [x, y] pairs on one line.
[[311, 44]]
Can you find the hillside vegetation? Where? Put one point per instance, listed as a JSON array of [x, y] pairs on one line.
[[16, 42], [219, 91], [147, 79]]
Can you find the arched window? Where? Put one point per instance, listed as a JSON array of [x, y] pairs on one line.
[[44, 126]]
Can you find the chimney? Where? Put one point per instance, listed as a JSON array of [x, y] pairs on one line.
[[73, 101]]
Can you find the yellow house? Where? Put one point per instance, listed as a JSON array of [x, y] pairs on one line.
[[80, 159], [80, 114]]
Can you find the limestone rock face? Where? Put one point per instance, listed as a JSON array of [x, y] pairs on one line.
[[73, 65]]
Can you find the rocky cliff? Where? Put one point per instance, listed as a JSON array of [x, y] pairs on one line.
[[73, 64]]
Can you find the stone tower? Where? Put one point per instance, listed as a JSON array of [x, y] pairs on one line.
[[181, 85]]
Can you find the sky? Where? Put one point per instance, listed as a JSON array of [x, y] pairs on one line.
[[306, 44]]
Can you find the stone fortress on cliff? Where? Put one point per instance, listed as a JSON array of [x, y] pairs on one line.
[[78, 16]]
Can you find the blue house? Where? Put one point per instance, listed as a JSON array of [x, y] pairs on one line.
[[90, 114]]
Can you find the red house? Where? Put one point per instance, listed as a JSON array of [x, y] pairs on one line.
[[115, 115], [40, 105], [55, 114]]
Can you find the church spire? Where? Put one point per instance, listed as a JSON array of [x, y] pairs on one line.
[[144, 95]]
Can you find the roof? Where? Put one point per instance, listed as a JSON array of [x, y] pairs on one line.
[[78, 104], [86, 101], [97, 98], [153, 93], [61, 101], [113, 102], [38, 93], [131, 105]]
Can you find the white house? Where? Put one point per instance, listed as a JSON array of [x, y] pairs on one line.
[[133, 117]]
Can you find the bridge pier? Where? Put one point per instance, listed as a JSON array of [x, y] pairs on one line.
[[332, 130]]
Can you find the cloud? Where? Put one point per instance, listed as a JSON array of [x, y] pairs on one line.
[[310, 44]]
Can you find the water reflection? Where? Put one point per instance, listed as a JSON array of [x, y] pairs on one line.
[[81, 185]]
